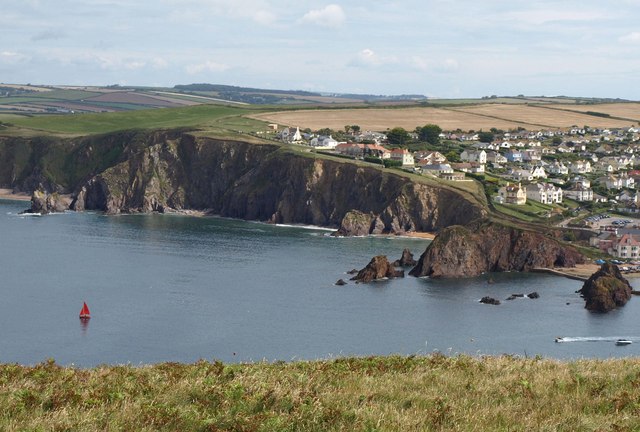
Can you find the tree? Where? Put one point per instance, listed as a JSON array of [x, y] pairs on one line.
[[556, 140], [355, 129], [485, 137], [430, 133], [398, 136], [453, 156]]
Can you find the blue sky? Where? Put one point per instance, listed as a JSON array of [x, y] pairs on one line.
[[440, 48]]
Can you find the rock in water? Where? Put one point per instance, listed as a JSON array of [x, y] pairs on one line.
[[340, 282], [45, 203], [606, 289], [356, 223], [406, 260], [533, 295], [486, 246], [378, 268], [489, 300]]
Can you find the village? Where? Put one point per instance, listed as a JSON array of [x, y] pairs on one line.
[[574, 177]]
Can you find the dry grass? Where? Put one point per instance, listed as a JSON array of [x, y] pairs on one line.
[[476, 117], [623, 110], [545, 117], [355, 394]]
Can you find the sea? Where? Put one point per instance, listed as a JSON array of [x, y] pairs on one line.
[[177, 288]]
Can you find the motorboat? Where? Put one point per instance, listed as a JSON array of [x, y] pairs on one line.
[[621, 342]]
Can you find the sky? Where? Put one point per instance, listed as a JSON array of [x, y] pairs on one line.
[[437, 48]]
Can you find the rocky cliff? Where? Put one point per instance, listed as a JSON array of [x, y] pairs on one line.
[[606, 289], [165, 170], [483, 246]]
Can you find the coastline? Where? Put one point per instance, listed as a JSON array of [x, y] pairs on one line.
[[580, 272], [8, 194]]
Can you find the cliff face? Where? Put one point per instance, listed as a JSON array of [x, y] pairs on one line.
[[159, 171], [484, 246]]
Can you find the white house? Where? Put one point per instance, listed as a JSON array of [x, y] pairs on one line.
[[291, 135], [579, 193], [580, 167], [496, 158], [402, 155], [474, 156], [436, 169], [558, 168], [326, 142], [545, 193], [431, 157]]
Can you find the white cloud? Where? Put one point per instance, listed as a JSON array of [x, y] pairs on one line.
[[367, 57], [159, 63], [447, 65], [633, 37], [134, 64], [263, 17], [208, 66], [330, 16], [12, 57], [190, 11]]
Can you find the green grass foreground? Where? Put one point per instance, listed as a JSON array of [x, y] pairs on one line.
[[416, 393]]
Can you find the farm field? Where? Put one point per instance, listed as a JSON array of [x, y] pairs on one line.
[[542, 116], [93, 99], [474, 117], [207, 117], [630, 111]]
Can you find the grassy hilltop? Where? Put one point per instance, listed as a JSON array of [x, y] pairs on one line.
[[352, 394]]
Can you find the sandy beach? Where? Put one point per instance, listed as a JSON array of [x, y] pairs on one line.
[[422, 235], [9, 195]]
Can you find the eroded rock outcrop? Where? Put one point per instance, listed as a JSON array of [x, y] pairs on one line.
[[406, 260], [45, 203], [606, 289], [378, 268], [357, 223], [484, 246]]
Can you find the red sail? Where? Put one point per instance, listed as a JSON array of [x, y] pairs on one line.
[[84, 313]]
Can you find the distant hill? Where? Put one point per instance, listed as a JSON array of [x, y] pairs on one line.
[[274, 97]]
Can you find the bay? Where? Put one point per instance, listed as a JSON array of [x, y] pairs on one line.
[[176, 288]]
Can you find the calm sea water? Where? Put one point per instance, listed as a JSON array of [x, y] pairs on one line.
[[174, 288]]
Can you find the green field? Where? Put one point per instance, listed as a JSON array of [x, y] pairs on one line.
[[415, 393], [212, 117]]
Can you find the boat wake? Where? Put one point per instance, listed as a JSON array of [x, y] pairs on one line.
[[567, 339]]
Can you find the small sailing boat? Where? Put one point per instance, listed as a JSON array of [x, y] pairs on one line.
[[84, 312]]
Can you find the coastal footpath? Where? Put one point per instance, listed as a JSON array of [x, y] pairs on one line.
[[415, 393]]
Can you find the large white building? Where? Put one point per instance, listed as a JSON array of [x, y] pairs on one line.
[[545, 193]]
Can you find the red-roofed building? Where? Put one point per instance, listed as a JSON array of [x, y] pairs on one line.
[[402, 155]]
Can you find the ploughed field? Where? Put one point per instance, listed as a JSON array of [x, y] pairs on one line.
[[472, 117], [416, 393]]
